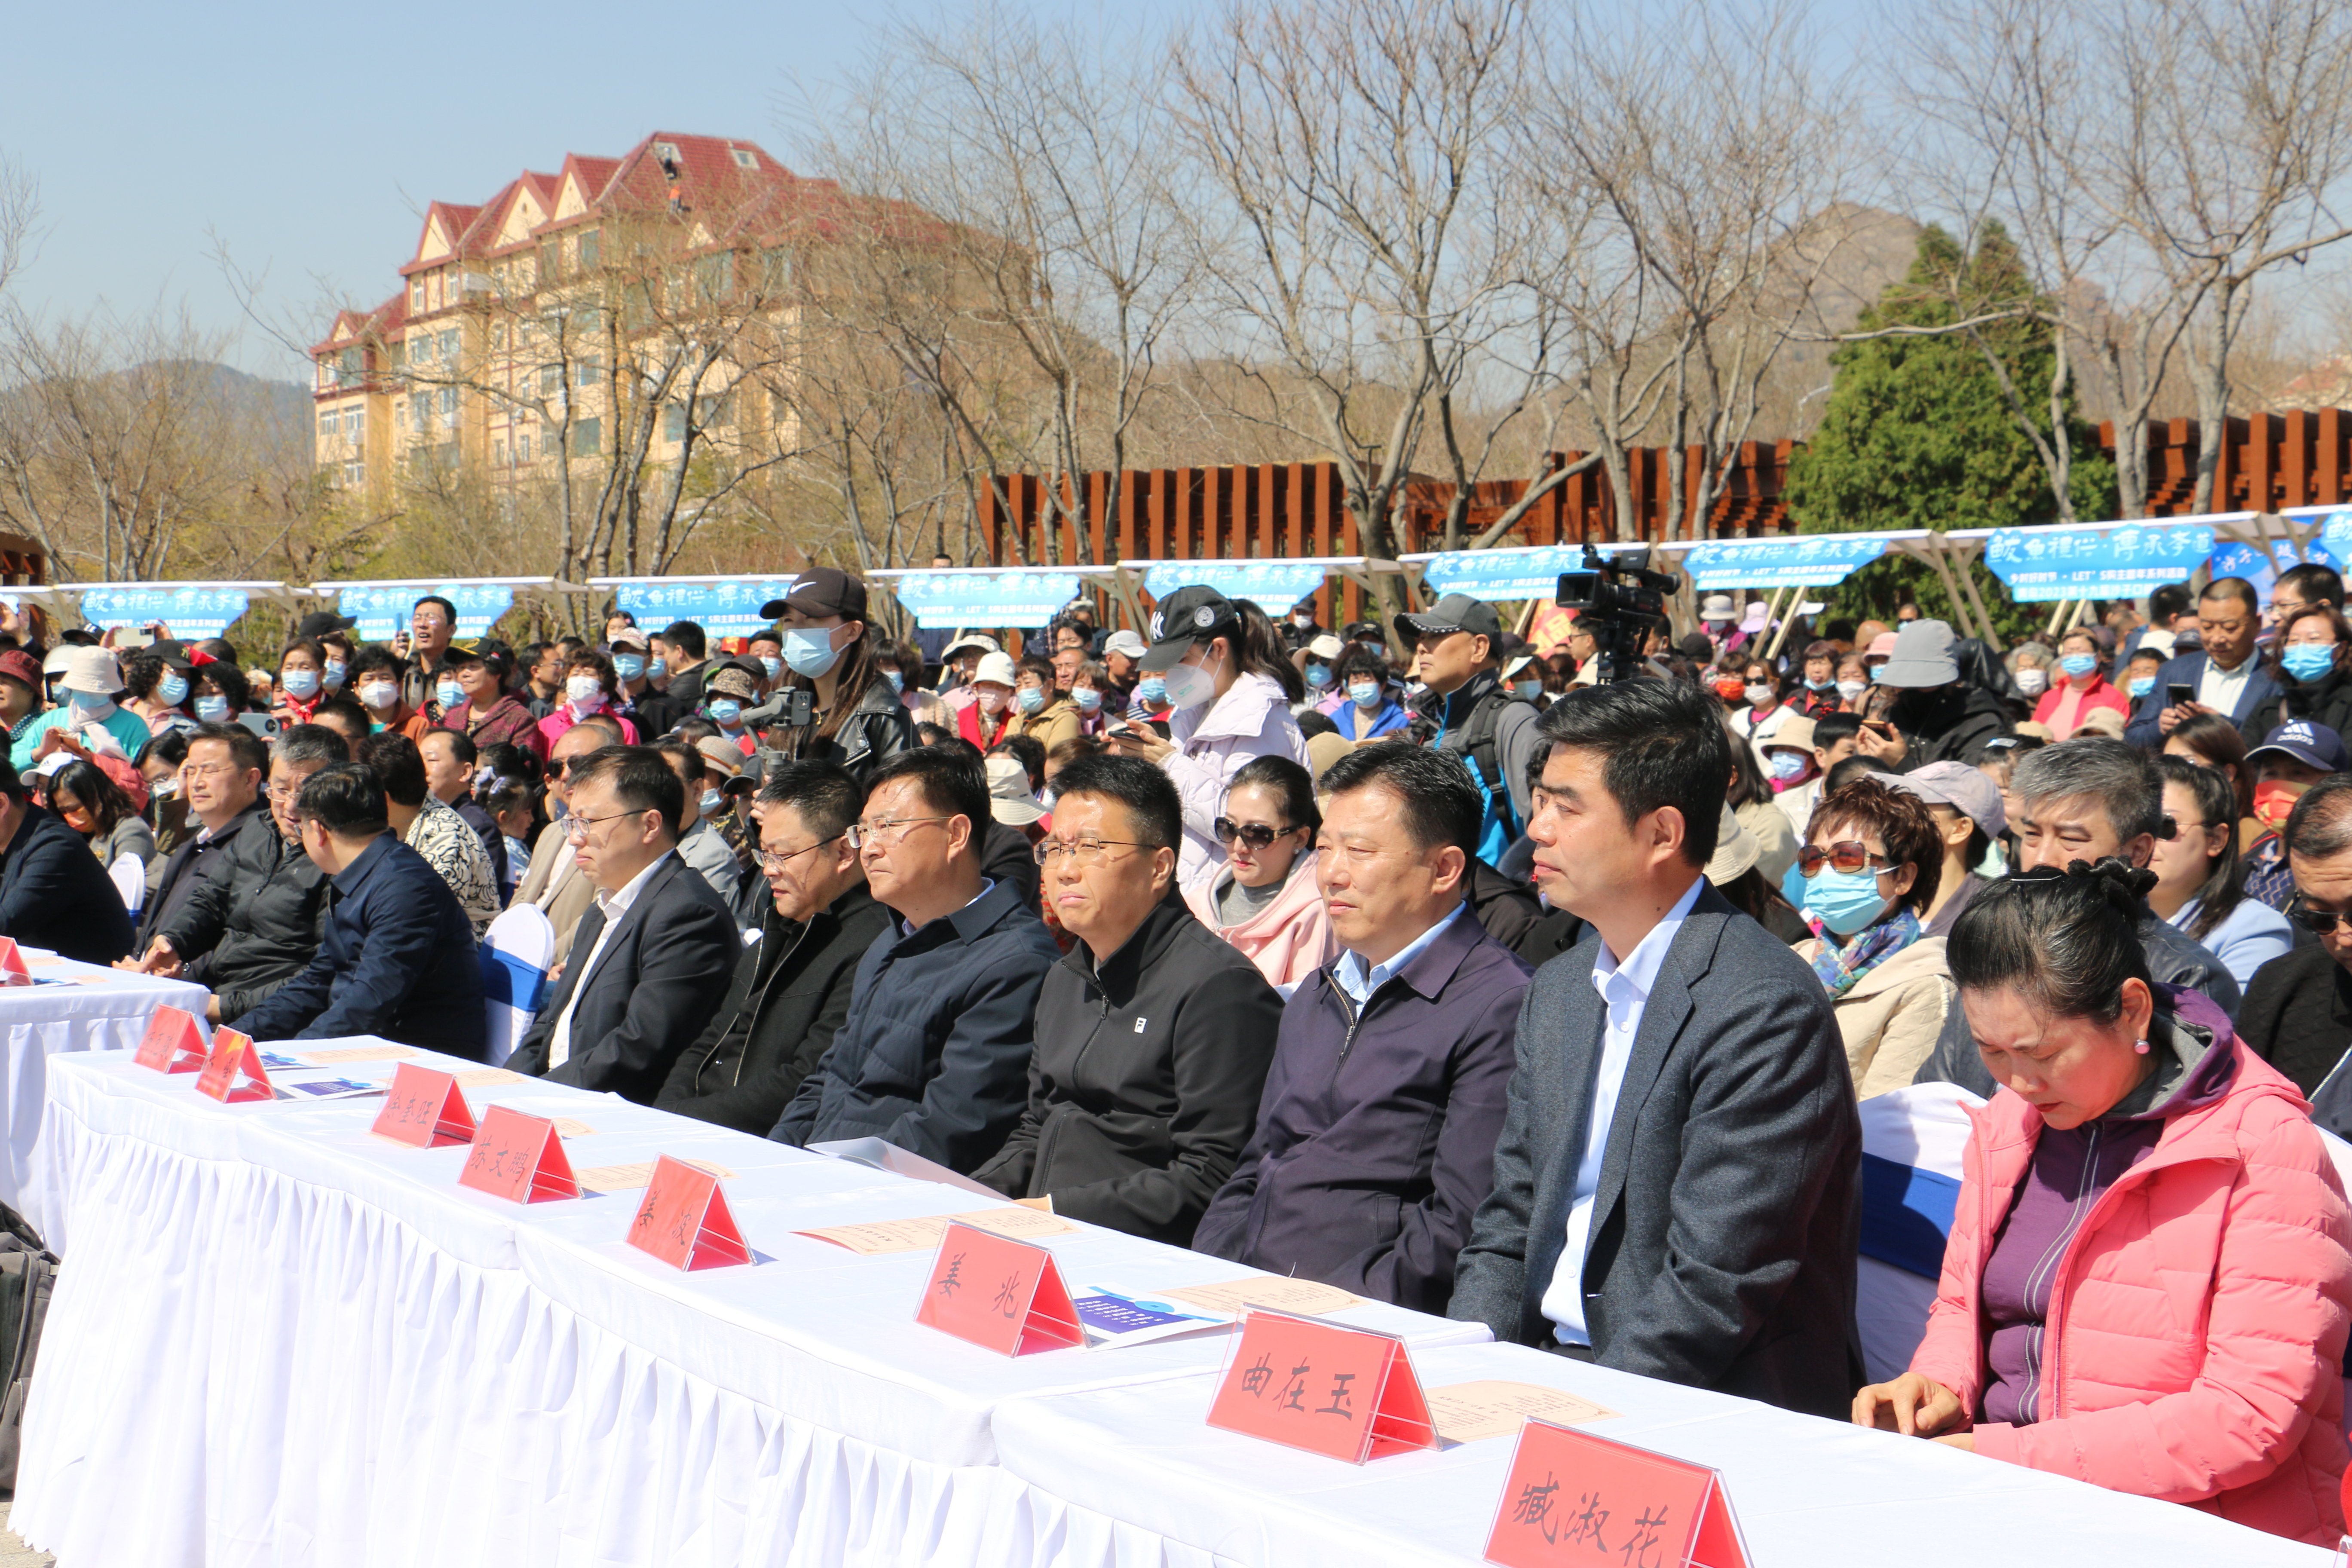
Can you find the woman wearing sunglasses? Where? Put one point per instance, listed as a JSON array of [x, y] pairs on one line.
[[1871, 863], [1264, 898], [2147, 1281], [2199, 881]]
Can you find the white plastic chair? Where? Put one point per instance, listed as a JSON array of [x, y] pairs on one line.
[[1911, 1143], [129, 874], [515, 951]]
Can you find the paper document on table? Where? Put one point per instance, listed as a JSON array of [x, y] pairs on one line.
[[334, 1088], [357, 1054], [487, 1078], [620, 1178], [913, 1235], [879, 1154], [1114, 1315], [1276, 1293], [1466, 1412], [567, 1128]]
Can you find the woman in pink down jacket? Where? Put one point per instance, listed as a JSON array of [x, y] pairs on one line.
[[2149, 1272]]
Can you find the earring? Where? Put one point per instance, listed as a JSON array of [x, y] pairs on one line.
[[2141, 1047]]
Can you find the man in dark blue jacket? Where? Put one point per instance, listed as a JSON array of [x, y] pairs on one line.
[[398, 960], [934, 1055], [2225, 677], [53, 892], [1375, 1141]]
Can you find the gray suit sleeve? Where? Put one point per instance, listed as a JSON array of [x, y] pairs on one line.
[[1491, 1274]]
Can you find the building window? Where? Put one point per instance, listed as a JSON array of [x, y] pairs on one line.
[[775, 270], [744, 160], [447, 347], [587, 437], [585, 373], [522, 447], [354, 475], [588, 251], [449, 409], [674, 422], [666, 152], [499, 451], [327, 425], [416, 295]]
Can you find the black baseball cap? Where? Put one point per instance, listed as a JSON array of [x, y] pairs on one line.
[[318, 622], [821, 591], [1187, 617], [1454, 612]]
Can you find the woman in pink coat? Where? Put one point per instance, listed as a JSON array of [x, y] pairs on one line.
[[1265, 899], [2149, 1272]]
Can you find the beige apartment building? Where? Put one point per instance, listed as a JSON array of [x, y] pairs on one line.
[[641, 302]]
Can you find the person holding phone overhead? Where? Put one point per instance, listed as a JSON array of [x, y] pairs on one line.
[[2225, 677]]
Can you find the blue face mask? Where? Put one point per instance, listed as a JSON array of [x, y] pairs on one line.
[[711, 800], [172, 689], [656, 670], [1319, 676], [450, 693], [1364, 694], [1151, 690], [1787, 765], [810, 652], [628, 665], [724, 712], [1087, 698], [898, 680], [1845, 901], [2308, 660], [2078, 664], [773, 665], [212, 710], [1029, 699], [336, 670], [1818, 685], [298, 682], [2141, 686], [1793, 886]]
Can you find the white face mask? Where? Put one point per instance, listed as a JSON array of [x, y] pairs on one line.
[[1759, 695], [379, 693], [1851, 689], [991, 701], [2032, 683], [1189, 685], [584, 691]]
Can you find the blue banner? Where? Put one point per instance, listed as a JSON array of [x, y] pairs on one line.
[[382, 612], [947, 600], [1275, 585], [1801, 560], [724, 609], [189, 612], [1501, 576], [2233, 559], [2042, 564]]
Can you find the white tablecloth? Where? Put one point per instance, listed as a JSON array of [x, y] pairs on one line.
[[1133, 1477], [310, 1346], [72, 1006]]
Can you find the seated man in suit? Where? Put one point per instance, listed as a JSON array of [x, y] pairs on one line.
[[2226, 678], [793, 985], [649, 964], [1678, 1190], [221, 782], [398, 960], [554, 881], [934, 1055]]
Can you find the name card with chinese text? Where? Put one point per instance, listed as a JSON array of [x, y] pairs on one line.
[[1002, 1295], [1345, 1392], [1572, 1498], [684, 1219], [173, 1043], [518, 1156], [233, 1073], [423, 1109]]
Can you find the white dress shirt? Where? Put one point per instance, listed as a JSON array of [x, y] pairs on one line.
[[1625, 987], [1350, 975], [2219, 688], [612, 905]]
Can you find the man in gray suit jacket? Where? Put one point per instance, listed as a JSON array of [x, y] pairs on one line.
[[1678, 1190]]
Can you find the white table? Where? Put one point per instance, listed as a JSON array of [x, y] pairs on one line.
[[71, 1007], [1133, 1477], [310, 1345]]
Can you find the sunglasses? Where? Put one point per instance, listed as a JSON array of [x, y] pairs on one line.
[[1256, 835], [1847, 856], [2318, 922]]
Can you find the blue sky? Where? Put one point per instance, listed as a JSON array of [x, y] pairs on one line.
[[309, 137]]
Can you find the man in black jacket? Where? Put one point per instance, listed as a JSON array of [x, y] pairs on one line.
[[53, 892], [649, 964], [792, 986], [934, 1055], [398, 960], [221, 782], [256, 919], [1153, 1036], [2298, 1009]]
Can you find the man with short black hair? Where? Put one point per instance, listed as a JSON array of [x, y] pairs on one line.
[[1153, 1033], [701, 845], [680, 646], [431, 622], [2308, 586], [1367, 1178], [542, 690], [934, 1054], [397, 959], [53, 892], [2225, 677], [1678, 1189], [1457, 645], [221, 782], [431, 828], [792, 985], [650, 964]]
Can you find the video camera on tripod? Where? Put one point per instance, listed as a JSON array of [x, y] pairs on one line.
[[1620, 601]]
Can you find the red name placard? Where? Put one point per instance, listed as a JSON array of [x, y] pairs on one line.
[[685, 1220], [519, 1156], [12, 964], [1002, 1295], [1328, 1390], [234, 1073], [423, 1109], [173, 1043], [1572, 1498]]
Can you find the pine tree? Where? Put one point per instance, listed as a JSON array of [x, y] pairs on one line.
[[1916, 434]]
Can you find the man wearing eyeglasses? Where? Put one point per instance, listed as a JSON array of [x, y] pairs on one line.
[[1153, 1036], [221, 782], [933, 1055], [2298, 1010], [2225, 677], [650, 963], [431, 622], [793, 985]]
